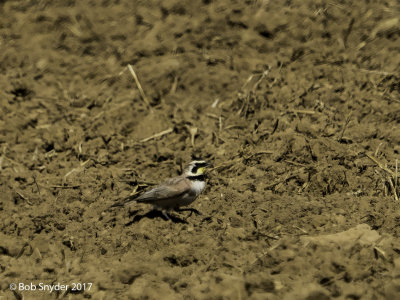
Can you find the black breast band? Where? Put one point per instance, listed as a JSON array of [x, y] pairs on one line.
[[197, 177]]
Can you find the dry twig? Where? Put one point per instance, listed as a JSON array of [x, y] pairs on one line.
[[380, 165], [301, 111], [145, 99], [169, 130], [391, 177]]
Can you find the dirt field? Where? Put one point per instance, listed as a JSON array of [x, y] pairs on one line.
[[296, 104]]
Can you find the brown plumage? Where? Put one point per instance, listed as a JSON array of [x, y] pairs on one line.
[[175, 192]]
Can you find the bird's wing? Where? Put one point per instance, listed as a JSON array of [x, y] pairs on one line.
[[169, 189]]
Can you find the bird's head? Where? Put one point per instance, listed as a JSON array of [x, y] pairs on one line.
[[196, 168]]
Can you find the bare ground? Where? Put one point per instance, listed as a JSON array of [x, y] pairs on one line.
[[296, 103]]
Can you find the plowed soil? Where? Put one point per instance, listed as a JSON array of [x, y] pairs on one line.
[[296, 104]]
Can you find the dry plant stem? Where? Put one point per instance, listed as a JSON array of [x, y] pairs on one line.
[[139, 87], [387, 97], [377, 72], [21, 195], [226, 164], [12, 161], [233, 126], [377, 149], [62, 186], [259, 153], [244, 104], [169, 130], [301, 229], [37, 185], [264, 74], [264, 253], [248, 80], [380, 252], [345, 126], [395, 177], [78, 169], [296, 164], [174, 85], [212, 116], [380, 165], [348, 31], [384, 187], [193, 132], [393, 187], [391, 176], [302, 111], [281, 181]]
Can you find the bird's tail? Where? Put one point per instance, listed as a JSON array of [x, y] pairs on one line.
[[125, 201]]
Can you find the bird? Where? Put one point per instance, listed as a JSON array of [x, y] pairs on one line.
[[174, 192]]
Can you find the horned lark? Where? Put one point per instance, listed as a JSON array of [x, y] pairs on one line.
[[175, 192]]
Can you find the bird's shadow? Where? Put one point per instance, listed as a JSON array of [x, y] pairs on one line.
[[153, 214]]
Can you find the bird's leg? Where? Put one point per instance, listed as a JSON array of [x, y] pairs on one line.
[[192, 210], [165, 214]]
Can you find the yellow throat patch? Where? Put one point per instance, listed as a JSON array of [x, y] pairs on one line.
[[200, 171]]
